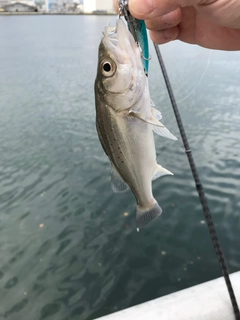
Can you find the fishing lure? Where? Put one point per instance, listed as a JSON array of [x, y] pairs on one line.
[[138, 30]]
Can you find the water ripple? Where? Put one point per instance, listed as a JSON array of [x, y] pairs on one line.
[[69, 247]]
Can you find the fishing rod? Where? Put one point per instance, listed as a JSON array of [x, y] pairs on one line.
[[199, 187]]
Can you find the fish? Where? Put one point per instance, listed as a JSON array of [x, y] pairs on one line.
[[126, 119]]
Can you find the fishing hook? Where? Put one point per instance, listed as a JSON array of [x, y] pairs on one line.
[[123, 10]]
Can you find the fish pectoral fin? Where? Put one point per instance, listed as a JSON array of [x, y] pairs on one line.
[[158, 127], [145, 215], [160, 171], [156, 114], [118, 185]]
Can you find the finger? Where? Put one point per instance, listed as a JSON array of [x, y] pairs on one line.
[[169, 20], [148, 9], [164, 36], [116, 5]]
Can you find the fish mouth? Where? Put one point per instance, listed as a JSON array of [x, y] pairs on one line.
[[119, 41], [110, 34]]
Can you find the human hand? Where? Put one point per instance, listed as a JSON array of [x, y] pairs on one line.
[[213, 24]]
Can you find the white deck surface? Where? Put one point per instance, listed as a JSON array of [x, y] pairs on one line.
[[206, 301]]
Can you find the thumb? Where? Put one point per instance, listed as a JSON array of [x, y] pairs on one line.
[[148, 9]]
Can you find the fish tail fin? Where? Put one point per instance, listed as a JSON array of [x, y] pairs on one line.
[[145, 215]]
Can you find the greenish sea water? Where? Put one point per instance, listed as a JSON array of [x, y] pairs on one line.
[[67, 250]]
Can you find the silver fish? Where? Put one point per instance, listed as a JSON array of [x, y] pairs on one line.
[[126, 119]]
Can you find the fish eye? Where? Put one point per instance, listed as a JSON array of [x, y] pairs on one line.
[[108, 68]]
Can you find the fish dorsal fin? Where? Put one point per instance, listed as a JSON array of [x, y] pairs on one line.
[[158, 127], [118, 185], [160, 171]]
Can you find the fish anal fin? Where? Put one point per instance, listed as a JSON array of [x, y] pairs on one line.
[[160, 171], [118, 184], [145, 215]]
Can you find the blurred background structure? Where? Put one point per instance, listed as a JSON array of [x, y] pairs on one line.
[[98, 6], [59, 6]]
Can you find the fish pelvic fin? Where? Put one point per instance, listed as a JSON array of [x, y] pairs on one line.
[[145, 215], [151, 120], [158, 127], [164, 132]]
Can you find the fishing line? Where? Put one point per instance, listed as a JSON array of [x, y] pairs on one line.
[[199, 81], [199, 187]]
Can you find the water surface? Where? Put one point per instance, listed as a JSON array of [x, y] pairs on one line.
[[67, 251]]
